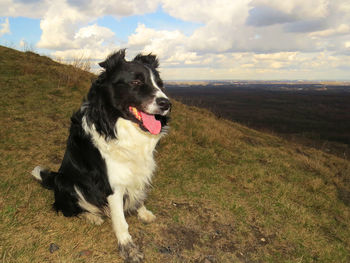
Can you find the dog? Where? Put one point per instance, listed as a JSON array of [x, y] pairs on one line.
[[108, 163]]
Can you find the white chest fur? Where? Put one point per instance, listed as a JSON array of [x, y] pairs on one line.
[[129, 158]]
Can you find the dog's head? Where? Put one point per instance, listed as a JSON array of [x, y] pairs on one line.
[[132, 90], [135, 83]]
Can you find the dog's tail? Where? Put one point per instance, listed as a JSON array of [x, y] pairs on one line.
[[46, 177]]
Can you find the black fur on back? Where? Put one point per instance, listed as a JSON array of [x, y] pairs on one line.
[[82, 166]]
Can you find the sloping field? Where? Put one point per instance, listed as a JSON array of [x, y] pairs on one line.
[[222, 192]]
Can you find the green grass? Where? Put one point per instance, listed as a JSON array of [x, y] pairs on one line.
[[222, 192]]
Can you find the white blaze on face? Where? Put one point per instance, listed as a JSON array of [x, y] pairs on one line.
[[153, 107], [159, 93]]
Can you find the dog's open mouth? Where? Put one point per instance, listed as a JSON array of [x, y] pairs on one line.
[[148, 121]]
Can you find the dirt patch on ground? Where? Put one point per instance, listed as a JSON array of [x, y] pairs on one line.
[[180, 237], [204, 235]]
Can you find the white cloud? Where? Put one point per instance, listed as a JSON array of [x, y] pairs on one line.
[[67, 29], [143, 36], [239, 38], [222, 20], [94, 31], [300, 9], [164, 42], [22, 43], [266, 15], [342, 29], [252, 26], [59, 26], [118, 8], [24, 8], [93, 42], [94, 36], [5, 27], [223, 11], [38, 8]]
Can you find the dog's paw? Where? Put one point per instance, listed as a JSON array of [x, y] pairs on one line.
[[145, 215], [93, 219], [131, 253], [36, 172]]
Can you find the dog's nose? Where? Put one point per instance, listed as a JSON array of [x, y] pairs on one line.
[[163, 103]]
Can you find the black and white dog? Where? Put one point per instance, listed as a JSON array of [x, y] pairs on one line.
[[108, 163]]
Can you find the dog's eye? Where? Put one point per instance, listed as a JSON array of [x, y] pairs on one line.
[[136, 82]]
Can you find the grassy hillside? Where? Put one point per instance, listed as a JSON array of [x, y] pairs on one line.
[[222, 192]]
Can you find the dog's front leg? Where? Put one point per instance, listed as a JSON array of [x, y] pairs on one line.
[[127, 248]]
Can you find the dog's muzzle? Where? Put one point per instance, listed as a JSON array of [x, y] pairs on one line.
[[163, 103]]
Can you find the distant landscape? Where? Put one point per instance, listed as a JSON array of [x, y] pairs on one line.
[[315, 113]]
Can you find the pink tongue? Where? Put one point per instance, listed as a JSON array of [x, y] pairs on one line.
[[151, 124]]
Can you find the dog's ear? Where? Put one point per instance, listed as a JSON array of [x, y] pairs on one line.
[[113, 60], [149, 59]]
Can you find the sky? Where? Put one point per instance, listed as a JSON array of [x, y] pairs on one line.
[[193, 39]]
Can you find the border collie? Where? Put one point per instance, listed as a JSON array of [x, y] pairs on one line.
[[108, 163]]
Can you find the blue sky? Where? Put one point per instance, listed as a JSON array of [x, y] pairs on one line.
[[22, 28], [194, 39], [28, 29], [125, 26]]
